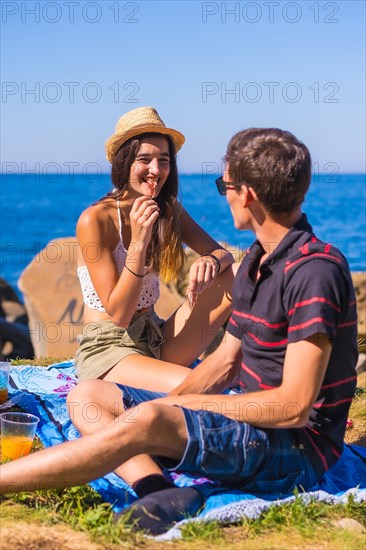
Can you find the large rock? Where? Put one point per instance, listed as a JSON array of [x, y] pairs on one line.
[[359, 282], [53, 299], [169, 300], [14, 332], [191, 256]]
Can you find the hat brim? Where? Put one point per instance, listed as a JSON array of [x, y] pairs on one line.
[[116, 140]]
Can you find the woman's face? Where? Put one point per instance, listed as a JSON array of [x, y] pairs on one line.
[[151, 166]]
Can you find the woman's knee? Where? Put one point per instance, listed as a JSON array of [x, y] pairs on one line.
[[92, 393], [83, 392]]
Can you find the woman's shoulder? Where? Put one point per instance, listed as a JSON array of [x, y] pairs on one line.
[[98, 215], [100, 211]]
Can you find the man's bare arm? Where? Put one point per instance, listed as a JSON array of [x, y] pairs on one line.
[[287, 406]]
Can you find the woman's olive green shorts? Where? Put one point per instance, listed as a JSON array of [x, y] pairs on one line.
[[103, 344]]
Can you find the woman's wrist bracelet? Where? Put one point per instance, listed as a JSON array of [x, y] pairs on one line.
[[217, 261], [133, 273]]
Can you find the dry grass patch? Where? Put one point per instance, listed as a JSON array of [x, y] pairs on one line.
[[40, 361], [357, 433], [24, 535]]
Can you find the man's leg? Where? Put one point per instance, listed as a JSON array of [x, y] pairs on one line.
[[94, 404], [150, 428]]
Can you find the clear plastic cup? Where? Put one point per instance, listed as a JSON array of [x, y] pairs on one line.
[[4, 381], [17, 434]]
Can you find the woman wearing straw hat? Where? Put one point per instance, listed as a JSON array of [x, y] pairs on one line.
[[137, 233]]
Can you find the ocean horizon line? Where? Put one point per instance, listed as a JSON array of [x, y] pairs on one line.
[[5, 174]]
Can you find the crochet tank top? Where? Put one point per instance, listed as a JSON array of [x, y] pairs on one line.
[[150, 290]]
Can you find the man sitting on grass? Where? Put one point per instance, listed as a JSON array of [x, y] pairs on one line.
[[291, 338]]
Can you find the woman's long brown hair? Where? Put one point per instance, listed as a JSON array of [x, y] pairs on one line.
[[165, 254]]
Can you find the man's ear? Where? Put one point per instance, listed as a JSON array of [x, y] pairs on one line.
[[248, 195]]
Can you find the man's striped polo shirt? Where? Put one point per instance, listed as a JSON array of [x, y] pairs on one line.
[[305, 288]]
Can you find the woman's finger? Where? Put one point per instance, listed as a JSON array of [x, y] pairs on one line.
[[150, 210]]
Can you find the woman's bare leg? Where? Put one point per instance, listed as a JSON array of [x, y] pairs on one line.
[[188, 331], [94, 404], [148, 373]]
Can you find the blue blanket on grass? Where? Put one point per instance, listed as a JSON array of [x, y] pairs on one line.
[[42, 391]]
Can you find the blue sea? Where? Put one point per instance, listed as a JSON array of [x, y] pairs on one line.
[[37, 208]]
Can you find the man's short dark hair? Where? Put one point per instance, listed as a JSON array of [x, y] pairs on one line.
[[274, 163]]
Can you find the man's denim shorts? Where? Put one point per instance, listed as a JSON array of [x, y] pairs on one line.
[[264, 461]]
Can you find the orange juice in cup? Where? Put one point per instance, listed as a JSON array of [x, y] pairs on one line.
[[15, 446], [17, 434]]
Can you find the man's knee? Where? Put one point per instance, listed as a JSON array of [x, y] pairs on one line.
[[160, 426], [147, 416]]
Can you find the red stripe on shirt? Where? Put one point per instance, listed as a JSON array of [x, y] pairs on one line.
[[327, 405], [310, 322], [339, 383], [349, 324], [304, 249], [316, 254], [252, 373], [259, 320], [334, 450], [267, 344], [322, 457], [265, 387], [233, 322], [327, 248], [311, 301], [256, 377]]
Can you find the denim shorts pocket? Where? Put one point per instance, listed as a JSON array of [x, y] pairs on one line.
[[221, 451], [280, 486], [214, 462]]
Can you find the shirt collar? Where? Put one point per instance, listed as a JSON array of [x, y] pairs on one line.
[[299, 234]]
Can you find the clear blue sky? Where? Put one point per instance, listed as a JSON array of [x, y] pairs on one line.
[[296, 65]]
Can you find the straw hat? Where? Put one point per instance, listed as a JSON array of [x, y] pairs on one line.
[[136, 122]]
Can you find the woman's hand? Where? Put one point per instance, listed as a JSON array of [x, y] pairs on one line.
[[143, 215], [201, 275]]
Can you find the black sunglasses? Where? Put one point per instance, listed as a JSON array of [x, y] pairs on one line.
[[222, 185]]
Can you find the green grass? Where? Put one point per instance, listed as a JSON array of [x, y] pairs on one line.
[[82, 509], [304, 517]]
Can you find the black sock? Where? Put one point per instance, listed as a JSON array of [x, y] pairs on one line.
[[157, 512], [151, 484]]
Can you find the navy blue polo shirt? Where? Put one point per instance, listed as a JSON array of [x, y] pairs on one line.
[[304, 288]]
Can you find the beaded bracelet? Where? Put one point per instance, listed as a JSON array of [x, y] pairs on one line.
[[217, 261], [133, 273]]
